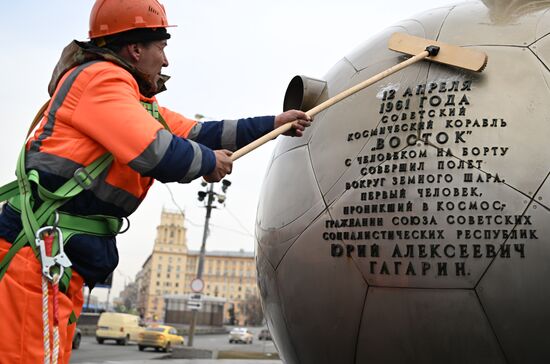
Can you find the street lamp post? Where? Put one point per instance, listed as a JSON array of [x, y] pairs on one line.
[[210, 195]]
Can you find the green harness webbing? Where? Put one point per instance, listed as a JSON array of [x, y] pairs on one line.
[[71, 224], [153, 109], [19, 195]]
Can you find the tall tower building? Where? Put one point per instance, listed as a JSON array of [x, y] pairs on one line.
[[163, 272]]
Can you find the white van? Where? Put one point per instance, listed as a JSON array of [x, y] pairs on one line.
[[121, 327]]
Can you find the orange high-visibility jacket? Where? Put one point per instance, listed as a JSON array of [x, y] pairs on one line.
[[96, 109]]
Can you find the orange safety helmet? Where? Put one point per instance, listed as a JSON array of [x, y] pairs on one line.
[[116, 16]]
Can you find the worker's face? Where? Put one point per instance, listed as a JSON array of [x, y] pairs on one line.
[[152, 59]]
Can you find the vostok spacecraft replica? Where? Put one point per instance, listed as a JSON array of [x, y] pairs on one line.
[[411, 224]]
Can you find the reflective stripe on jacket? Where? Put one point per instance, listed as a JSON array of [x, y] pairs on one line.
[[97, 109]]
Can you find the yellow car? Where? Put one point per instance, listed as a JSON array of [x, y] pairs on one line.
[[160, 337]]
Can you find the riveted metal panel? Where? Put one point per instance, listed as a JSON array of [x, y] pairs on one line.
[[308, 276], [290, 178], [426, 326], [514, 291], [428, 176], [273, 307]]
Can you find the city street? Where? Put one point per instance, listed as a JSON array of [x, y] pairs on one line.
[[92, 352]]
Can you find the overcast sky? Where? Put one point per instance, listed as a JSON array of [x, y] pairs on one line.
[[228, 59]]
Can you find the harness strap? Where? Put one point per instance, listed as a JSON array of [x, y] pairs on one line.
[[72, 318], [38, 218], [30, 225], [8, 191], [38, 117], [71, 224], [101, 225], [153, 109]]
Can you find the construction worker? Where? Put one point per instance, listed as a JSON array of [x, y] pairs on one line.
[[100, 143]]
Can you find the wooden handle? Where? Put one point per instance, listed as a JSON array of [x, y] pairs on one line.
[[328, 103]]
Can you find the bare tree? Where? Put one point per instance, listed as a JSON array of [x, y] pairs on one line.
[[251, 308]]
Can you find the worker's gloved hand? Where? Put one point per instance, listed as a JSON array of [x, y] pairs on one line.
[[299, 119], [224, 165]]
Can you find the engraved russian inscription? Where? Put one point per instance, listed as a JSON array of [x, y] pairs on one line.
[[418, 205]]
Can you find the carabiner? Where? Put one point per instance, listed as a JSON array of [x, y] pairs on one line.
[[60, 259]]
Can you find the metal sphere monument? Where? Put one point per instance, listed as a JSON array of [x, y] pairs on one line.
[[412, 221]]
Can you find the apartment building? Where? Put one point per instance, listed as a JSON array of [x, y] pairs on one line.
[[171, 267]]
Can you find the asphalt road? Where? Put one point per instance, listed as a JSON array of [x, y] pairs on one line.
[[92, 352], [221, 342]]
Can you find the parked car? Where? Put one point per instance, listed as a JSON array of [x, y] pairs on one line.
[[76, 338], [160, 337], [264, 335], [121, 327], [241, 335]]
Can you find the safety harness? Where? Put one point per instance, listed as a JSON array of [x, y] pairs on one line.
[[46, 230]]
